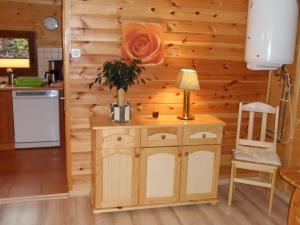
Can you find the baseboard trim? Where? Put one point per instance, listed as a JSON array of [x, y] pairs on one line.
[[34, 198], [207, 201], [79, 193]]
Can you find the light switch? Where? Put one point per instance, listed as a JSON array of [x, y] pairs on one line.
[[75, 53]]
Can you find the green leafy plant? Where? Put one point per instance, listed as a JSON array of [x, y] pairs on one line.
[[119, 73]]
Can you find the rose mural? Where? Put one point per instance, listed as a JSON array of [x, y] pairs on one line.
[[144, 41]]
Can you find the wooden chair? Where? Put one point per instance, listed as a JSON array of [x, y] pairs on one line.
[[255, 155]]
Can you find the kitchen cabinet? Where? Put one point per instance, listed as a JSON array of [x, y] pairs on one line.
[[6, 121], [149, 163]]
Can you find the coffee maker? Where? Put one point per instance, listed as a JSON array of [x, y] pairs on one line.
[[55, 72]]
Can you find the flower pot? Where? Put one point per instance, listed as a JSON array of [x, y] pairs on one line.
[[120, 113]]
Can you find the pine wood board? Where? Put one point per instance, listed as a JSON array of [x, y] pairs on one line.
[[205, 35], [22, 15]]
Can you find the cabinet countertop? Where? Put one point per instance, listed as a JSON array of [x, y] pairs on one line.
[[98, 122], [44, 87]]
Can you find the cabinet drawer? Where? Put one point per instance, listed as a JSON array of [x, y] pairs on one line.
[[198, 135], [161, 136], [117, 138]]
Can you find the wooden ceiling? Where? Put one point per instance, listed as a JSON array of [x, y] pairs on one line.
[[47, 2]]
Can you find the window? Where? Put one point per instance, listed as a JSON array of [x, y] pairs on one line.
[[18, 51]]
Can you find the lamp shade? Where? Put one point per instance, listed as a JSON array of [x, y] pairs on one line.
[[188, 80], [14, 63]]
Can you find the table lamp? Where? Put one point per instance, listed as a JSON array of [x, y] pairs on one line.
[[187, 80]]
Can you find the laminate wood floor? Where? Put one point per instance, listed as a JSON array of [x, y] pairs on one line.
[[32, 172], [249, 208]]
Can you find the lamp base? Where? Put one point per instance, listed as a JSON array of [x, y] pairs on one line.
[[186, 117]]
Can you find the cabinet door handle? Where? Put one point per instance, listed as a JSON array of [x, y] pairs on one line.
[[186, 153], [137, 155], [119, 138], [163, 137], [179, 154]]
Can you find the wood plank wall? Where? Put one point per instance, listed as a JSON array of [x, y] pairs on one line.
[[206, 35], [289, 152], [30, 16]]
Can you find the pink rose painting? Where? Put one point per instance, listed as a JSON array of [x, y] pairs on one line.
[[144, 41]]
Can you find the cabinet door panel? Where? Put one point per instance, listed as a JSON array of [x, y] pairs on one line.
[[200, 171], [118, 178], [160, 173]]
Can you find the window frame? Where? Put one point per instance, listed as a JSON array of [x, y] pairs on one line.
[[33, 57]]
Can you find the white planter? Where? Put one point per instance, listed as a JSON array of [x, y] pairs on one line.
[[120, 113]]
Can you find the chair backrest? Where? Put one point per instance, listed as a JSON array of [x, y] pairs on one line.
[[264, 109]]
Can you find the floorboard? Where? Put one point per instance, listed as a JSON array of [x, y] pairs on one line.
[[32, 172], [249, 207]]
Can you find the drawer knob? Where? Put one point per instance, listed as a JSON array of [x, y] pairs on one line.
[[204, 135], [119, 138], [163, 137], [137, 155]]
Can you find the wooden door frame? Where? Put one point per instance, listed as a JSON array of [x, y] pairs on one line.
[[66, 58]]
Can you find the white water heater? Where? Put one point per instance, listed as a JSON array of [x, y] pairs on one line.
[[271, 33]]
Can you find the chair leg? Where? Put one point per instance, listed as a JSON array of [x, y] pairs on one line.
[[272, 191], [231, 183], [234, 175], [269, 189]]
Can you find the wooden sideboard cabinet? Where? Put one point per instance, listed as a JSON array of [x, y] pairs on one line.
[[150, 162]]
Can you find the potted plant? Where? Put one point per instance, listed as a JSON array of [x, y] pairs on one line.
[[120, 74]]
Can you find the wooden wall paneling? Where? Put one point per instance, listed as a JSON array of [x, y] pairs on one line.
[[25, 15], [294, 149], [288, 151], [207, 36]]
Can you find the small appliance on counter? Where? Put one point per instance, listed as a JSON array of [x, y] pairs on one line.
[[55, 72]]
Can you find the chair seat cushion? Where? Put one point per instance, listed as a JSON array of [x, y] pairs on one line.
[[257, 155]]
